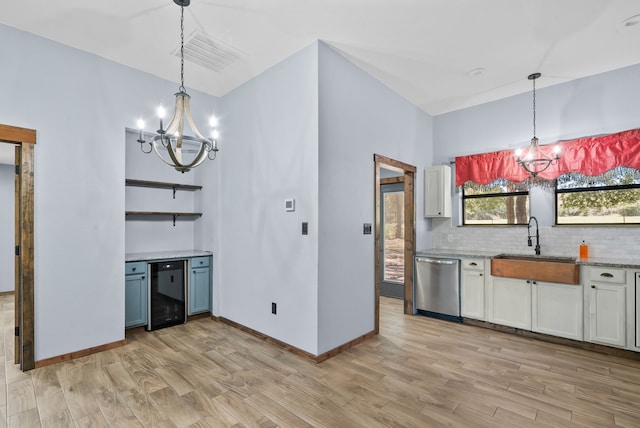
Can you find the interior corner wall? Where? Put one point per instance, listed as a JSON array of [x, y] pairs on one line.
[[269, 153], [359, 117], [7, 229], [80, 105]]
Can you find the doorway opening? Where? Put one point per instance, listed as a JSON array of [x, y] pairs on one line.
[[23, 140], [404, 175]]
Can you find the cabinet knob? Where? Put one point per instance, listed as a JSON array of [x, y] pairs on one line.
[[133, 269], [593, 286], [480, 274], [143, 277], [528, 281], [533, 282]]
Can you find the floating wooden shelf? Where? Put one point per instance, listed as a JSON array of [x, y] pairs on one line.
[[161, 185], [163, 214]]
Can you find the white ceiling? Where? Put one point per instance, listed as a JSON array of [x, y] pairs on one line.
[[423, 49]]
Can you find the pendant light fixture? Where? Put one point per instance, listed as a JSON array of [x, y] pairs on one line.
[[184, 151], [535, 161]]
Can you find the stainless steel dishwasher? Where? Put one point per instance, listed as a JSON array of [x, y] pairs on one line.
[[437, 290]]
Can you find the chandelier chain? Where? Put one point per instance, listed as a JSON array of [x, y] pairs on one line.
[[182, 89], [534, 108]]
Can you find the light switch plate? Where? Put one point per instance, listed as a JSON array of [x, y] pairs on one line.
[[290, 204]]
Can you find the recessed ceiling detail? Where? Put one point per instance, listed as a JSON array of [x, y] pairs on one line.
[[209, 53]]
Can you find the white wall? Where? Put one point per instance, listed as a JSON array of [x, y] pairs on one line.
[[7, 238], [80, 105], [359, 116], [600, 104], [270, 153]]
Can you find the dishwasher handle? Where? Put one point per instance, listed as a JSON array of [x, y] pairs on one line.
[[437, 261]]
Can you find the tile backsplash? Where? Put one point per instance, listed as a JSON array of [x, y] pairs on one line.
[[603, 241]]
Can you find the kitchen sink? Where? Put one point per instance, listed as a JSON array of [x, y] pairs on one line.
[[538, 268]]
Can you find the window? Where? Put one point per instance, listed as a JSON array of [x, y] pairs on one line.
[[612, 198], [500, 202]]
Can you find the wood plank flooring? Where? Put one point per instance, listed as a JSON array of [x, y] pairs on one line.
[[419, 372]]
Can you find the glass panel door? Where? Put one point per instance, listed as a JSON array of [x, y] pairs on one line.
[[392, 206]]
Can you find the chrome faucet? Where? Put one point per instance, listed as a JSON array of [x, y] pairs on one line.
[[537, 235]]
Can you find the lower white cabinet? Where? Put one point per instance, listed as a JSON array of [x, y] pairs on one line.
[[509, 302], [472, 291], [607, 314], [557, 309]]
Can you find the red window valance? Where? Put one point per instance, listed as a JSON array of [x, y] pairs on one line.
[[589, 156]]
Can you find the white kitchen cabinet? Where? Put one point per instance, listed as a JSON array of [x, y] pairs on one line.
[[607, 314], [509, 302], [437, 191], [606, 297], [472, 288], [557, 309]]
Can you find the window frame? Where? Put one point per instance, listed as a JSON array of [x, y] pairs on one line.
[[591, 189], [494, 195]]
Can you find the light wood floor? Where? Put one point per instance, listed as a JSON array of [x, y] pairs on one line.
[[418, 372]]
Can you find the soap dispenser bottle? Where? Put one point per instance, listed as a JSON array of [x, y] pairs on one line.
[[584, 250]]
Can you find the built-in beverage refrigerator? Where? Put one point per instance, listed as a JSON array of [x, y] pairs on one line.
[[167, 292]]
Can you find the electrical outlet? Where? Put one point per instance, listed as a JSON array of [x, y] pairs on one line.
[[366, 228], [305, 228], [274, 308]]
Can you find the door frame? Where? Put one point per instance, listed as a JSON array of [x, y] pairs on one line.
[[409, 172], [24, 140]]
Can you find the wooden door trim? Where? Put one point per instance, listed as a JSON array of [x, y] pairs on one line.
[[25, 139], [408, 172]]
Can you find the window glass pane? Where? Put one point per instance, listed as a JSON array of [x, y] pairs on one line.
[[616, 177], [498, 186], [599, 206], [497, 210]]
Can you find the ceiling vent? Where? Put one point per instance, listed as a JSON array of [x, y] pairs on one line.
[[209, 53]]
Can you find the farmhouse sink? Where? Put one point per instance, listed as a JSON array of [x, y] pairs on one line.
[[537, 268]]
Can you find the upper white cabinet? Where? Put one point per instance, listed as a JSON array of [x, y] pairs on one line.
[[557, 309], [472, 288], [437, 191]]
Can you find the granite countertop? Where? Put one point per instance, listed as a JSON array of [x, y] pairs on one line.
[[161, 255], [444, 252], [631, 263]]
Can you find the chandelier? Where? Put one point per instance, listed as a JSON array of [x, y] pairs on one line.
[[535, 161], [184, 151]]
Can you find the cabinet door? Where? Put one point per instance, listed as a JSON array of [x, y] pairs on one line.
[[510, 302], [607, 314], [557, 309], [472, 294], [437, 191], [135, 301], [199, 290]]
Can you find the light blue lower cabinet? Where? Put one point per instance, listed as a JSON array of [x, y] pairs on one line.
[[135, 300], [199, 285]]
